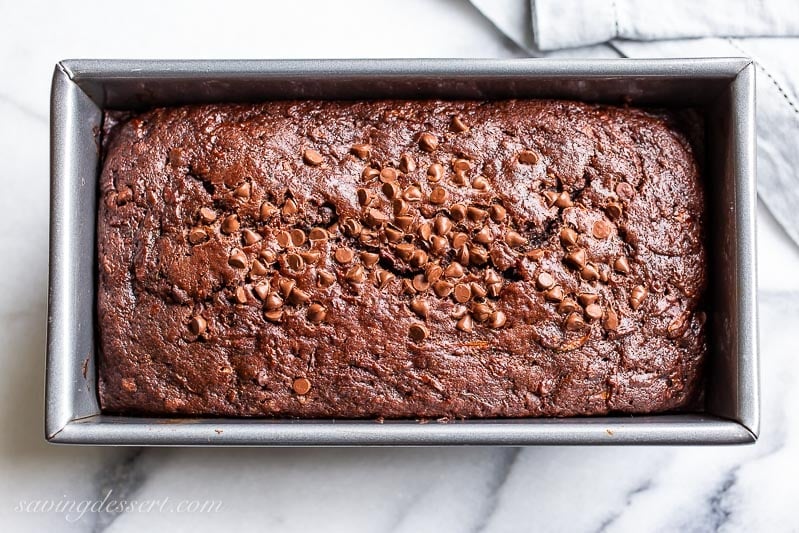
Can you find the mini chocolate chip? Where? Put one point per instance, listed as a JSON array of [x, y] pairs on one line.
[[364, 197], [428, 142], [405, 251], [433, 272], [390, 190], [622, 265], [207, 215], [497, 213], [250, 237], [351, 227], [418, 259], [576, 258], [459, 178], [404, 222], [267, 210], [564, 200], [425, 231], [273, 301], [476, 214], [290, 207], [286, 285], [407, 163], [462, 255], [399, 207], [497, 319], [435, 172], [316, 313], [568, 306], [318, 234], [465, 324], [477, 256], [295, 262], [459, 239], [613, 209], [480, 183], [393, 234], [418, 332], [230, 224], [574, 322], [601, 229], [528, 157], [197, 235], [361, 150], [478, 291], [343, 255], [197, 325], [297, 237], [274, 316], [611, 321], [369, 173], [589, 273], [536, 255], [625, 191], [514, 240], [453, 270], [412, 194], [262, 290], [370, 259], [283, 239], [242, 191], [637, 296], [420, 307], [457, 125], [494, 289], [298, 296], [384, 277], [481, 312], [312, 157], [388, 175], [484, 236], [325, 279], [593, 311], [544, 281], [568, 237], [301, 386], [240, 295], [420, 283], [551, 197], [438, 245], [442, 225], [555, 294], [439, 195], [237, 259], [442, 288], [491, 276], [461, 164], [462, 292], [457, 212], [258, 269], [375, 218], [268, 255], [587, 298]]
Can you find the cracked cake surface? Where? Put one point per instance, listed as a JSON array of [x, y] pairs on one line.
[[400, 259]]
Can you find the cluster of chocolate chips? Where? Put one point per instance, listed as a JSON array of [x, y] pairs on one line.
[[443, 249], [412, 237], [584, 305]]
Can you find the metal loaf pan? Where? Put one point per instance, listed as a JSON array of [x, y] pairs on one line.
[[723, 89]]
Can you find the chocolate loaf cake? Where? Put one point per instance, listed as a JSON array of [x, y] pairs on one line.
[[400, 259]]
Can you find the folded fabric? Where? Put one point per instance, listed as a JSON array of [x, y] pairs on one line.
[[570, 23]]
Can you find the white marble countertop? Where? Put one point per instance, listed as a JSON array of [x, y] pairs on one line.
[[750, 488]]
